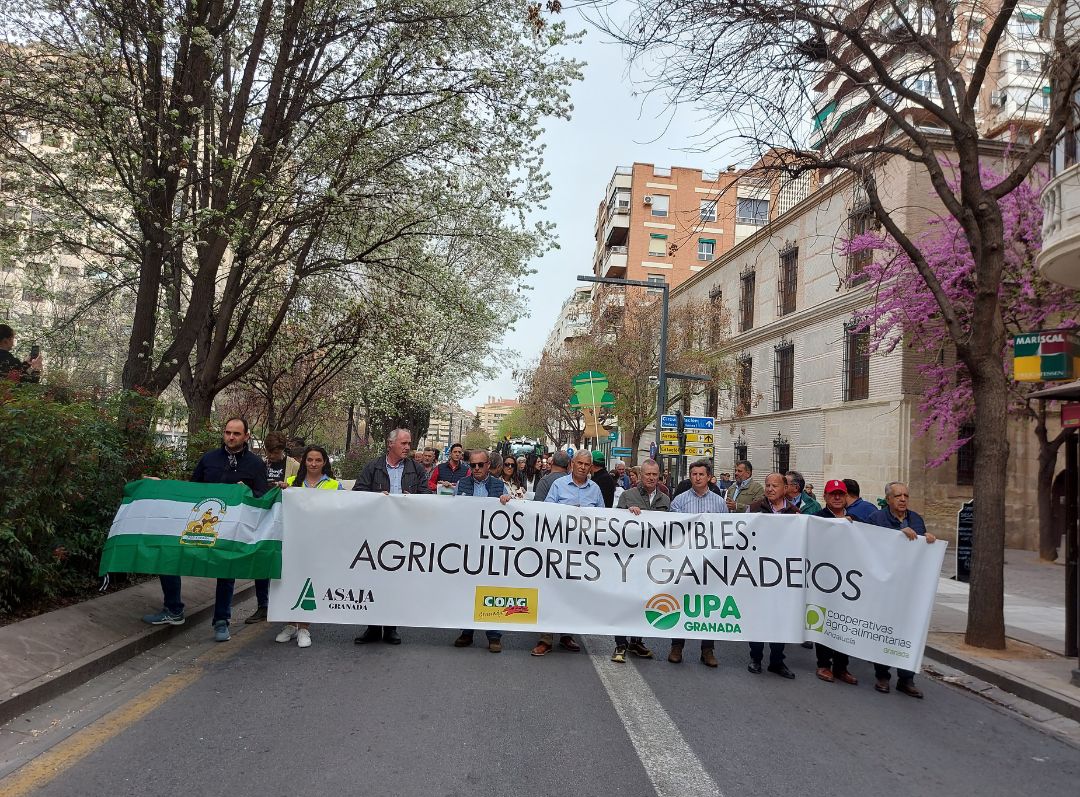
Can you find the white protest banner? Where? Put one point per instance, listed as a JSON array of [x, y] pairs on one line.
[[431, 561]]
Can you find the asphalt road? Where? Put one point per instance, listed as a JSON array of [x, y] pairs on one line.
[[252, 717]]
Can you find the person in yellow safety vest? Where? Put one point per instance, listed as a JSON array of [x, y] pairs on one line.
[[316, 474]]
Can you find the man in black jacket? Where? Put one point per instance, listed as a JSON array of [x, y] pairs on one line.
[[394, 474], [10, 365], [603, 479], [232, 463]]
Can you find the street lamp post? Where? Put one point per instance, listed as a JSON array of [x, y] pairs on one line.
[[661, 388]]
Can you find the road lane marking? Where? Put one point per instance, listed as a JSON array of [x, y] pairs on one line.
[[44, 768], [670, 763]]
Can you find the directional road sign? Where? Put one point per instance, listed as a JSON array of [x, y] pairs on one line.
[[697, 422], [620, 452], [701, 438], [669, 436], [670, 422], [670, 449], [699, 451]]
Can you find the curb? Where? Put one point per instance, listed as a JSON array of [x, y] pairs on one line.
[[1008, 683], [53, 684]]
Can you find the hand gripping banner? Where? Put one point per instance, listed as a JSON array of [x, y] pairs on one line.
[[431, 561]]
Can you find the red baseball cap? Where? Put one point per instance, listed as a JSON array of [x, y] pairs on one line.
[[835, 486]]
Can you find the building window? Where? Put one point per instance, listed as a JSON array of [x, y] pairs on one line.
[[784, 377], [860, 222], [744, 387], [655, 279], [856, 363], [1024, 66], [752, 211], [659, 205], [705, 249], [789, 280], [657, 245], [716, 315], [708, 210], [30, 294], [746, 300], [7, 291], [69, 271], [974, 31], [740, 451], [965, 455], [781, 454]]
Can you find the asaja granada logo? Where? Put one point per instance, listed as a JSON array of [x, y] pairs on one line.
[[351, 598], [306, 599], [815, 617], [662, 611], [506, 605]]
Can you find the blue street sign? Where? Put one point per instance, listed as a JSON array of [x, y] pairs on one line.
[[620, 452], [446, 451], [570, 451], [697, 422], [613, 436], [670, 422]]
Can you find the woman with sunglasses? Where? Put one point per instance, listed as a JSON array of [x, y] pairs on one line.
[[316, 475], [512, 478]]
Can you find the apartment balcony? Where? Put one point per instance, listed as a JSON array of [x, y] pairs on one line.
[[614, 262], [1059, 259], [617, 226]]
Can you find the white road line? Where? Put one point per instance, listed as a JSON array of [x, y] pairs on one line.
[[673, 768]]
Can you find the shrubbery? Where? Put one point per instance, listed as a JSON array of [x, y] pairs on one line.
[[67, 463]]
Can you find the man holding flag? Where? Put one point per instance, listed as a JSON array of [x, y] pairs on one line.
[[233, 463]]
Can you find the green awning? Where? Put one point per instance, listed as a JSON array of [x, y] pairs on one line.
[[657, 235], [706, 240], [840, 119], [823, 114], [1030, 16], [1046, 90]]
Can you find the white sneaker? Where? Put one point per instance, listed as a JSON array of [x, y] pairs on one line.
[[286, 634], [303, 638]]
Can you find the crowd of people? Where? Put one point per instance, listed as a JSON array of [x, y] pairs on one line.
[[582, 480]]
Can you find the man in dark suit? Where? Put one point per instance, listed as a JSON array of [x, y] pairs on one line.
[[394, 474]]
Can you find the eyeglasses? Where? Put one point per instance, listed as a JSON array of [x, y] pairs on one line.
[[478, 464], [509, 463]]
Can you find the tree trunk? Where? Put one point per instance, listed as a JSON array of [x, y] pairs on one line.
[[200, 406], [1049, 534], [986, 615], [635, 443]]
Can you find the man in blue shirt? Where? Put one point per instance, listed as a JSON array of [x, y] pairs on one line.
[[577, 489], [897, 516], [481, 484], [856, 506]]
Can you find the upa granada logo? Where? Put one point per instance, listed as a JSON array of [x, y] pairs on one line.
[[815, 617], [662, 611], [502, 605]]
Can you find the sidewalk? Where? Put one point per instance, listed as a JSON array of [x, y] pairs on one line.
[[48, 655], [1034, 666]]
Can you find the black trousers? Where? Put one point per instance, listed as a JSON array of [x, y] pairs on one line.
[[776, 652], [831, 659], [706, 644], [622, 642], [881, 671]]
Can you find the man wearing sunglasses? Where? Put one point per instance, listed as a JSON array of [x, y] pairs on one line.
[[481, 484]]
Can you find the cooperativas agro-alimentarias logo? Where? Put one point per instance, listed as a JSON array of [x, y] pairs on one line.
[[815, 617], [662, 611]]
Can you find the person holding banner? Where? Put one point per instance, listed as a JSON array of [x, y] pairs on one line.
[[897, 516], [775, 502], [701, 497], [513, 479], [574, 489], [233, 463], [393, 474], [317, 476], [744, 490], [480, 484], [279, 467], [832, 665], [644, 497]]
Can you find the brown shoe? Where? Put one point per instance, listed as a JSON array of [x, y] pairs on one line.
[[495, 645], [463, 641], [567, 643], [825, 674], [909, 689], [882, 685], [675, 654], [847, 678], [541, 649], [708, 658]]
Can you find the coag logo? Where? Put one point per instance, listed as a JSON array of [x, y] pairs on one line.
[[815, 617], [306, 599], [506, 605], [662, 611]]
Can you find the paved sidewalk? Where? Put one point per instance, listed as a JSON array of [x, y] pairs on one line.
[[47, 655], [1034, 667], [50, 654]]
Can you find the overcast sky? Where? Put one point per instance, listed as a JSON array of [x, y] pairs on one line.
[[610, 127]]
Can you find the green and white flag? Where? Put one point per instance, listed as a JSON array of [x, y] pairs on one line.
[[191, 529]]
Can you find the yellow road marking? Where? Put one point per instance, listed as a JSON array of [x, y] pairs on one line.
[[38, 772]]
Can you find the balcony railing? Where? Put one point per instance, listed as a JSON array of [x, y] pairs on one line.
[[1059, 259]]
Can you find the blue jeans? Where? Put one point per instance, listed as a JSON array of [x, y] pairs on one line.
[[262, 592], [492, 636], [170, 590]]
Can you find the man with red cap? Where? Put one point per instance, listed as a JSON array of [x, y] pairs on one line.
[[832, 665]]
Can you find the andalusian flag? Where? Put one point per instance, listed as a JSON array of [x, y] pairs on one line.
[[188, 529]]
